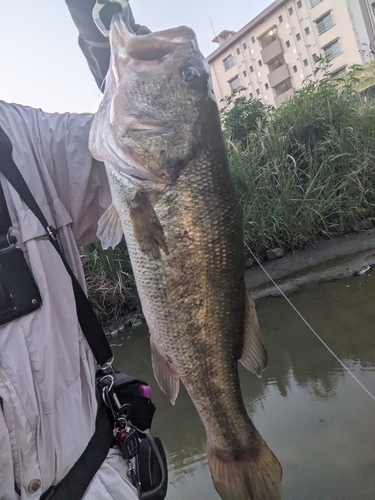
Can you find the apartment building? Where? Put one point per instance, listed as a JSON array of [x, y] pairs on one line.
[[274, 53]]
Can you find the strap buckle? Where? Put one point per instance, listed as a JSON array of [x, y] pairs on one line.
[[52, 233], [11, 239], [7, 240], [107, 366]]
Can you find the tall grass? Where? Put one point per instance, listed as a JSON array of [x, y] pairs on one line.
[[309, 170]]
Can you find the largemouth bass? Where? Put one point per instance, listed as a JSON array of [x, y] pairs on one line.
[[158, 131]]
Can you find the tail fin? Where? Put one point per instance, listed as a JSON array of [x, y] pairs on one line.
[[254, 476]]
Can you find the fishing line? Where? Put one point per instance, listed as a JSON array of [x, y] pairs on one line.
[[310, 327]]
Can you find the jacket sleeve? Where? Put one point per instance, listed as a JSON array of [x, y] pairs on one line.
[[6, 462], [94, 45], [68, 178], [71, 177], [80, 181]]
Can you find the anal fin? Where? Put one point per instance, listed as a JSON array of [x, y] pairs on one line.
[[110, 231], [147, 228], [166, 377], [254, 355]]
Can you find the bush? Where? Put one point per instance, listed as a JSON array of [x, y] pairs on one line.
[[240, 116]]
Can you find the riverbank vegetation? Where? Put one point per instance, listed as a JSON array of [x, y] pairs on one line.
[[307, 169], [110, 283], [303, 171]]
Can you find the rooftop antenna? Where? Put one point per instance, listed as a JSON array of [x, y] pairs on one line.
[[212, 26]]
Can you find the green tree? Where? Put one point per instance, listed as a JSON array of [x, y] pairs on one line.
[[241, 116]]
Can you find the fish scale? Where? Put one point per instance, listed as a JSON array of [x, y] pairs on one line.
[[174, 200], [199, 313]]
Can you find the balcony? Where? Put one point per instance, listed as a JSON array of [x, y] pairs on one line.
[[283, 97], [272, 50], [279, 75]]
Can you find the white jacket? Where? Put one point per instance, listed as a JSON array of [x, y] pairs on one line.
[[47, 387]]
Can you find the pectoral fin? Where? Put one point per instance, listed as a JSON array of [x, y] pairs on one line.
[[254, 355], [147, 228], [110, 231], [165, 375]]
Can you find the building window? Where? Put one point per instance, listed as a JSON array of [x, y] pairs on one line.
[[228, 62], [315, 57], [373, 8], [332, 50], [244, 45], [258, 91], [290, 11], [287, 43], [234, 83], [299, 4], [238, 51], [307, 31], [295, 69], [339, 72], [251, 95], [251, 69], [267, 86], [314, 2], [244, 73], [280, 19], [260, 63], [324, 23], [298, 37], [252, 39], [305, 62]]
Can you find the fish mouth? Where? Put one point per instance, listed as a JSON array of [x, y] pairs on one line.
[[150, 129], [151, 46], [155, 46]]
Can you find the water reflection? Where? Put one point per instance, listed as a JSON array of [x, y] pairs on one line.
[[315, 418]]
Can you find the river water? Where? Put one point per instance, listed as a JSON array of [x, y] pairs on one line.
[[313, 415]]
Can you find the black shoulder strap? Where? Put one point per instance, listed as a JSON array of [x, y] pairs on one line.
[[75, 483], [5, 222], [77, 480], [89, 322]]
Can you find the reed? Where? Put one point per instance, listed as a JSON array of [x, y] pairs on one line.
[[307, 171], [110, 283]]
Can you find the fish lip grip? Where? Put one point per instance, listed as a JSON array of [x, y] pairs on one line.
[[113, 6]]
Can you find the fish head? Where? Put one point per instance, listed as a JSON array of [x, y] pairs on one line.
[[158, 90]]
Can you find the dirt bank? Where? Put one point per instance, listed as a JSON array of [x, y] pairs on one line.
[[326, 260]]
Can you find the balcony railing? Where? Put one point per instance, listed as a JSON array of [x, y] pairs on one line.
[[279, 75], [283, 97], [272, 50]]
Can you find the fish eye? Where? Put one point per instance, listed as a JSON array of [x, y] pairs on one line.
[[190, 74]]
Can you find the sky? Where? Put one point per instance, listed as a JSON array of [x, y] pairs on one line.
[[41, 63]]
